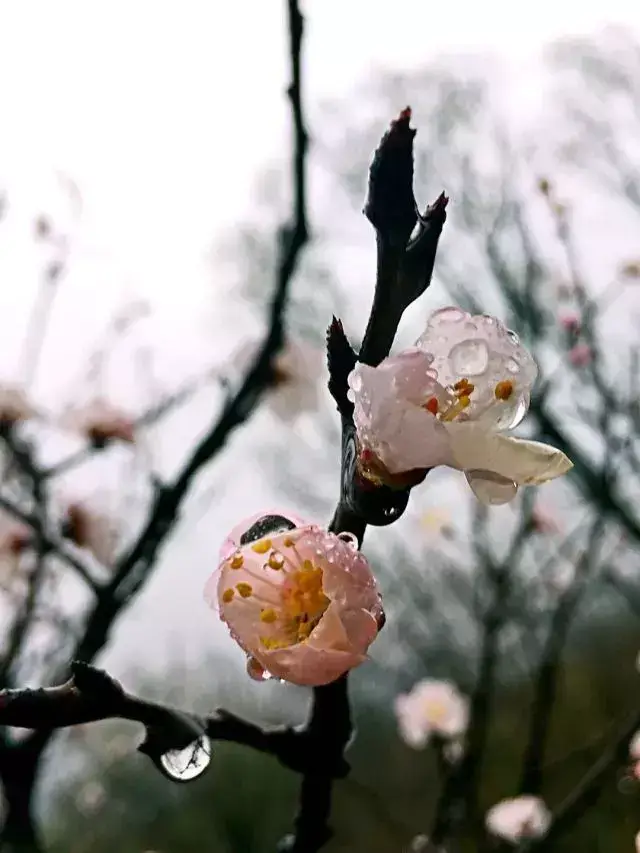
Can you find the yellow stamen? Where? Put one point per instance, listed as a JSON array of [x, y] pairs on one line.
[[268, 615], [275, 561], [261, 546], [236, 561], [289, 542], [504, 389], [245, 589], [272, 643], [227, 595]]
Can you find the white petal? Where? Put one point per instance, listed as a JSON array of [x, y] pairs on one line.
[[491, 489], [526, 463]]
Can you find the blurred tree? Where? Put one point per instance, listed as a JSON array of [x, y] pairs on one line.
[[88, 501]]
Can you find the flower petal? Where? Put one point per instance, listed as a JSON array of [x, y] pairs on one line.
[[526, 463], [491, 489]]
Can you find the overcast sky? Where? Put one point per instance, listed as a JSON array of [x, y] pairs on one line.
[[161, 114]]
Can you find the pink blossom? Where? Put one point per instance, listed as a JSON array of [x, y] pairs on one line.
[[543, 522], [571, 322], [101, 422], [296, 372], [449, 400], [301, 602], [14, 406], [518, 818], [430, 708], [91, 529], [634, 746], [580, 355], [14, 535]]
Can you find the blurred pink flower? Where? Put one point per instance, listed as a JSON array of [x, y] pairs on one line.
[[634, 747], [580, 355], [571, 322], [14, 406], [295, 377], [518, 818], [448, 401], [100, 422], [543, 522], [630, 269], [14, 535], [638, 843], [430, 708], [301, 602], [92, 530]]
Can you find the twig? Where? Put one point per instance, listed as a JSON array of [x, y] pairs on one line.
[[91, 695], [589, 788]]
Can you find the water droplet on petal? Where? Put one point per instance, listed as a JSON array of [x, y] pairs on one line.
[[513, 366], [186, 764], [513, 337], [355, 381], [350, 538], [521, 409], [491, 488], [488, 319], [256, 671], [448, 315], [469, 358]]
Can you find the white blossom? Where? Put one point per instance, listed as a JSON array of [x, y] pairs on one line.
[[431, 707], [448, 401], [518, 818]]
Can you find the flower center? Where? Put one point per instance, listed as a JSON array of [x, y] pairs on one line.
[[302, 605], [435, 710], [459, 399]]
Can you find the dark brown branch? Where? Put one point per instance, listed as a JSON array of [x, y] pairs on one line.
[[91, 695], [404, 272]]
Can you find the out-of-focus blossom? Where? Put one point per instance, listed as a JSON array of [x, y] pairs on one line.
[[634, 747], [100, 422], [638, 843], [630, 269], [300, 601], [543, 522], [297, 372], [14, 406], [431, 708], [419, 844], [437, 521], [15, 537], [571, 322], [448, 401], [580, 355], [560, 576], [518, 818], [91, 529]]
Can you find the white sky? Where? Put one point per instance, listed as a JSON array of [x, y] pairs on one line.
[[162, 113]]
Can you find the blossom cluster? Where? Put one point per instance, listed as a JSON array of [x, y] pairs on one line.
[[302, 602]]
